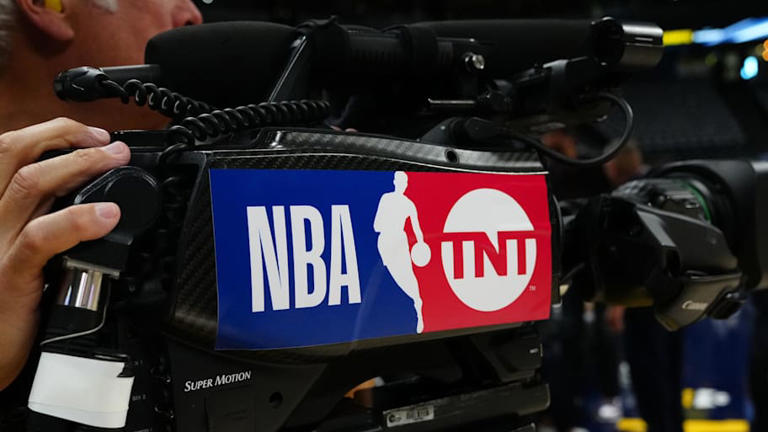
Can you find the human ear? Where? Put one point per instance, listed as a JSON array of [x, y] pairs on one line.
[[48, 17]]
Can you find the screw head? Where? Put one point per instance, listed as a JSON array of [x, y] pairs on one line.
[[474, 62]]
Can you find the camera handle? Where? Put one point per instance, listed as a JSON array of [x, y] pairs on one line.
[[73, 360]]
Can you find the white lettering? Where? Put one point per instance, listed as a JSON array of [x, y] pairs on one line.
[[219, 380], [269, 258], [343, 243], [304, 256], [273, 255]]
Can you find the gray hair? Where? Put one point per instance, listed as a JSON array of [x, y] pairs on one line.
[[8, 14]]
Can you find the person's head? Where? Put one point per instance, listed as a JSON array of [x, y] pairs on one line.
[[43, 39], [562, 141], [99, 32], [626, 165], [401, 181]]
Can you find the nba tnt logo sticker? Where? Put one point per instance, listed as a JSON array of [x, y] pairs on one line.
[[337, 256]]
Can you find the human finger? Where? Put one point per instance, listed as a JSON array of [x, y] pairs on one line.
[[24, 146], [38, 182]]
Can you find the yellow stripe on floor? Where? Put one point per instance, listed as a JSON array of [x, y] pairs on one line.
[[638, 425]]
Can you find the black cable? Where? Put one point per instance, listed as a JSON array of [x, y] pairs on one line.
[[568, 277], [228, 120], [198, 122], [160, 99], [194, 130], [86, 332], [599, 160]]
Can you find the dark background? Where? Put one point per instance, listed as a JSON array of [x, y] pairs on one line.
[[667, 13]]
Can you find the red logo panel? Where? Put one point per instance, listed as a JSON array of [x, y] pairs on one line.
[[490, 255]]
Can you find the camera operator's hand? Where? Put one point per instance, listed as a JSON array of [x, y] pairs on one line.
[[28, 236]]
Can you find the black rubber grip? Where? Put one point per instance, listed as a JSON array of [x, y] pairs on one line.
[[385, 54], [379, 53]]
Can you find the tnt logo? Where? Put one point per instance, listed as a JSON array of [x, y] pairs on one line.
[[488, 250]]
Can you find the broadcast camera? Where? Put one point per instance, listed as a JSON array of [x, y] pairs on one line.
[[266, 264]]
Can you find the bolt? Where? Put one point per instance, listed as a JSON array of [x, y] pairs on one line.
[[474, 62]]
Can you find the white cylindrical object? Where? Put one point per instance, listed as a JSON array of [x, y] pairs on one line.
[[82, 390]]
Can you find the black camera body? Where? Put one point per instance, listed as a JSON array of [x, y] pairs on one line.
[[430, 381], [419, 258], [301, 387], [435, 380]]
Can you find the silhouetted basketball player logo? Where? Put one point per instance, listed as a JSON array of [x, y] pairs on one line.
[[393, 212]]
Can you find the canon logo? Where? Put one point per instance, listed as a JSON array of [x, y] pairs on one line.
[[488, 249], [695, 306]]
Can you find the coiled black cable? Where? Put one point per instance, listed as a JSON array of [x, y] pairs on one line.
[[288, 113], [214, 124], [160, 99]]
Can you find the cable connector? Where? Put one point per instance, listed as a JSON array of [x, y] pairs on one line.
[[83, 84]]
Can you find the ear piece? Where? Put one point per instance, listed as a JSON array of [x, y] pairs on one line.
[[49, 17], [54, 5]]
